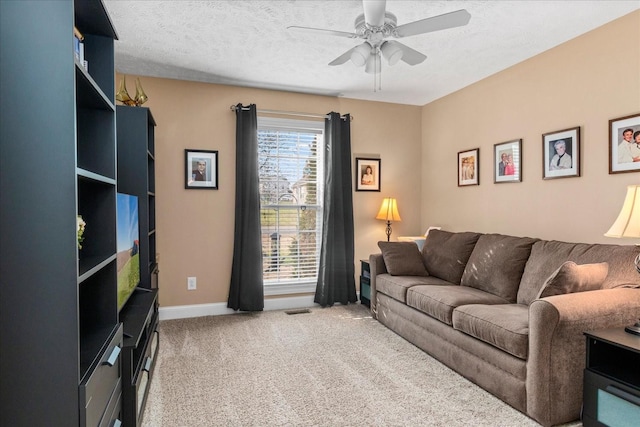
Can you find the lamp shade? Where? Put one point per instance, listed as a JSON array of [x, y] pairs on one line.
[[389, 210], [628, 222], [360, 54], [373, 65], [391, 51]]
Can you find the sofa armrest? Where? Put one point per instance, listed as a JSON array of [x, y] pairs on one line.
[[376, 266], [557, 346]]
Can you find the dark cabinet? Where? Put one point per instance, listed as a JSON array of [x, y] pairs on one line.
[[611, 393], [365, 283], [140, 351]]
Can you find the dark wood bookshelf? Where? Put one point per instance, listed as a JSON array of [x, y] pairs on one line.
[[59, 328], [136, 176]]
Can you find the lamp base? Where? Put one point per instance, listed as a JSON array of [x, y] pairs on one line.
[[633, 329]]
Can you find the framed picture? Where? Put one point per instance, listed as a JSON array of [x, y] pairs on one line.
[[561, 153], [367, 174], [507, 161], [201, 169], [624, 148], [469, 167]]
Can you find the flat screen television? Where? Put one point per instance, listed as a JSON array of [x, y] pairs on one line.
[[128, 235]]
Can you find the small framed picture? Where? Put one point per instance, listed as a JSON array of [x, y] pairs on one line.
[[469, 167], [201, 169], [624, 144], [561, 153], [367, 174], [507, 161]]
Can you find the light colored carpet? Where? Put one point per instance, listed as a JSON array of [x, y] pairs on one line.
[[330, 367]]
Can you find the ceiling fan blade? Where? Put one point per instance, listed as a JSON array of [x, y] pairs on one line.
[[343, 58], [324, 32], [435, 23], [410, 56], [374, 12]]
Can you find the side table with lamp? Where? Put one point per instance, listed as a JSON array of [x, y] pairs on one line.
[[388, 212], [611, 384], [628, 225]]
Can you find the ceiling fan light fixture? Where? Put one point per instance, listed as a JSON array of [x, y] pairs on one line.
[[391, 51], [360, 54], [373, 64]]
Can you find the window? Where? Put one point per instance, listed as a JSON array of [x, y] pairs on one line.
[[290, 170]]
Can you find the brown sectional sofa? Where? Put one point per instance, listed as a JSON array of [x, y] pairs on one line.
[[507, 312]]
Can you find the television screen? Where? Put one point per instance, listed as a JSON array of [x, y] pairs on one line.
[[128, 246]]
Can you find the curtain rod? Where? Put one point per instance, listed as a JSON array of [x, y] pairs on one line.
[[290, 113]]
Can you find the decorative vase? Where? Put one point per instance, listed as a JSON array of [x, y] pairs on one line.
[[122, 95], [140, 97]]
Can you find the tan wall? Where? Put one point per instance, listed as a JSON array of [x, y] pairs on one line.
[[195, 227], [584, 82]]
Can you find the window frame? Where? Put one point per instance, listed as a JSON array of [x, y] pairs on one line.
[[305, 285]]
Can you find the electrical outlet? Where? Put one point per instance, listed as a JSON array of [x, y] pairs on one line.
[[191, 283]]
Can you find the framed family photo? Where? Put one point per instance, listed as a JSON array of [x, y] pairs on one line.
[[561, 153], [367, 174], [507, 161], [469, 167], [624, 144], [201, 169]]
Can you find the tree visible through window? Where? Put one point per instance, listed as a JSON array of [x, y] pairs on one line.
[[290, 167]]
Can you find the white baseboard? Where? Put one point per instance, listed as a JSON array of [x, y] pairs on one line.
[[220, 308]]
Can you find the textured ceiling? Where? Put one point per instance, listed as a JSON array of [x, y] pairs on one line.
[[247, 43]]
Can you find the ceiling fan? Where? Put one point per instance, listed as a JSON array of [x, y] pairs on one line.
[[376, 26]]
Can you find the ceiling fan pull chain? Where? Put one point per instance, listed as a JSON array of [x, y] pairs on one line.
[[375, 73], [379, 59]]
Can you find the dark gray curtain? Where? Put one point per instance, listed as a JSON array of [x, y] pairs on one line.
[[246, 292], [336, 281]]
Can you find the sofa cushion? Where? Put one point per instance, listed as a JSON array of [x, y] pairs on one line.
[[402, 259], [440, 301], [396, 286], [446, 254], [503, 326], [571, 277], [548, 255], [496, 264]]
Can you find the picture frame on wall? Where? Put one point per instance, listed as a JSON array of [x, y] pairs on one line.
[[367, 174], [201, 169], [624, 148], [507, 161], [469, 167], [561, 153]]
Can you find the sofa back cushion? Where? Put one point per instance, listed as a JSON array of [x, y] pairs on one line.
[[548, 255], [497, 263], [446, 254]]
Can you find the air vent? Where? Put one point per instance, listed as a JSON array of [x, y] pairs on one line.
[[298, 311]]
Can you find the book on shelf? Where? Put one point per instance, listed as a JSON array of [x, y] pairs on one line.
[[78, 45]]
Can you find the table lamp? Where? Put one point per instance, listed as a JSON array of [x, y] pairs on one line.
[[628, 225], [389, 212]]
